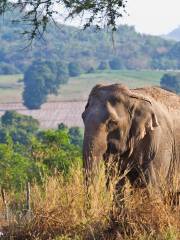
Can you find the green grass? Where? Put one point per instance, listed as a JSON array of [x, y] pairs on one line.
[[10, 88], [79, 87]]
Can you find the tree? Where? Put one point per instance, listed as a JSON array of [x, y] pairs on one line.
[[17, 128], [74, 69], [13, 168], [38, 13], [40, 79], [103, 65], [115, 64], [91, 70], [6, 68], [12, 118], [45, 153], [171, 82], [76, 136], [56, 151]]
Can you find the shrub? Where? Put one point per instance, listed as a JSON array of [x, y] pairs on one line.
[[171, 82], [103, 65], [115, 64], [74, 69]]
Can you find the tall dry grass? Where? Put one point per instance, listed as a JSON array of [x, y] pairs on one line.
[[62, 210]]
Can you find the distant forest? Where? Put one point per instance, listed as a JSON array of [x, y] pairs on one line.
[[89, 48]]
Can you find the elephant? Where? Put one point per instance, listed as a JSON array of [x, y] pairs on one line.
[[138, 128]]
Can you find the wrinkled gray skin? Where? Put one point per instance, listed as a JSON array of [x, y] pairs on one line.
[[139, 130]]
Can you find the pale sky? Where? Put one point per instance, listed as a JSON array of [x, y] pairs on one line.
[[153, 16]]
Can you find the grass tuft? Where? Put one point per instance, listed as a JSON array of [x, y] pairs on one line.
[[61, 210]]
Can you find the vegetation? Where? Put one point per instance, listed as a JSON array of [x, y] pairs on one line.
[[59, 205], [17, 128], [62, 210], [74, 69], [30, 154], [78, 87], [87, 48], [115, 64], [38, 13], [171, 81], [103, 65], [40, 79]]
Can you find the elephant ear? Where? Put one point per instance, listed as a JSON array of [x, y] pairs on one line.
[[144, 120]]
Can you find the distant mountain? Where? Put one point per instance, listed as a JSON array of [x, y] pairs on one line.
[[174, 35], [88, 48]]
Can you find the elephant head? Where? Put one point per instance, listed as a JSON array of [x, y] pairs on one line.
[[116, 119]]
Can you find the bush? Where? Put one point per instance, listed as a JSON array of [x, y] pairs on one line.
[[171, 82], [91, 70], [74, 69], [17, 128], [115, 64], [103, 65], [39, 153]]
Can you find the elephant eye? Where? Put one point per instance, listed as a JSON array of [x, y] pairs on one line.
[[112, 124]]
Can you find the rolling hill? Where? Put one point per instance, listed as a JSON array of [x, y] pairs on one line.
[[88, 48], [174, 35]]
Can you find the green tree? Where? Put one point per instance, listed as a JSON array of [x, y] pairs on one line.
[[115, 64], [13, 168], [103, 65], [171, 82], [6, 68], [17, 128], [76, 136], [56, 151], [38, 13], [74, 69], [40, 79]]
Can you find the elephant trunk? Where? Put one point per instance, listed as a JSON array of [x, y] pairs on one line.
[[94, 146]]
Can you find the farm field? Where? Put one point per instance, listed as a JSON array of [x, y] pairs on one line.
[[79, 87], [68, 105], [11, 86]]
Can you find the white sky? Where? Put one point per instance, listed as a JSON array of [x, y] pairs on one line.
[[153, 16]]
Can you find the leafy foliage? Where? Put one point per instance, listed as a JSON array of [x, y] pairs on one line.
[[171, 82], [74, 69], [103, 65], [40, 79], [17, 128], [38, 13], [75, 134], [13, 168], [30, 154], [115, 64], [87, 48]]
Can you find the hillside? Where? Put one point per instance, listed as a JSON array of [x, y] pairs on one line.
[[89, 48], [174, 35]]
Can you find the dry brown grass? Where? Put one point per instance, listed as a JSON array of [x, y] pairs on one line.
[[61, 208]]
